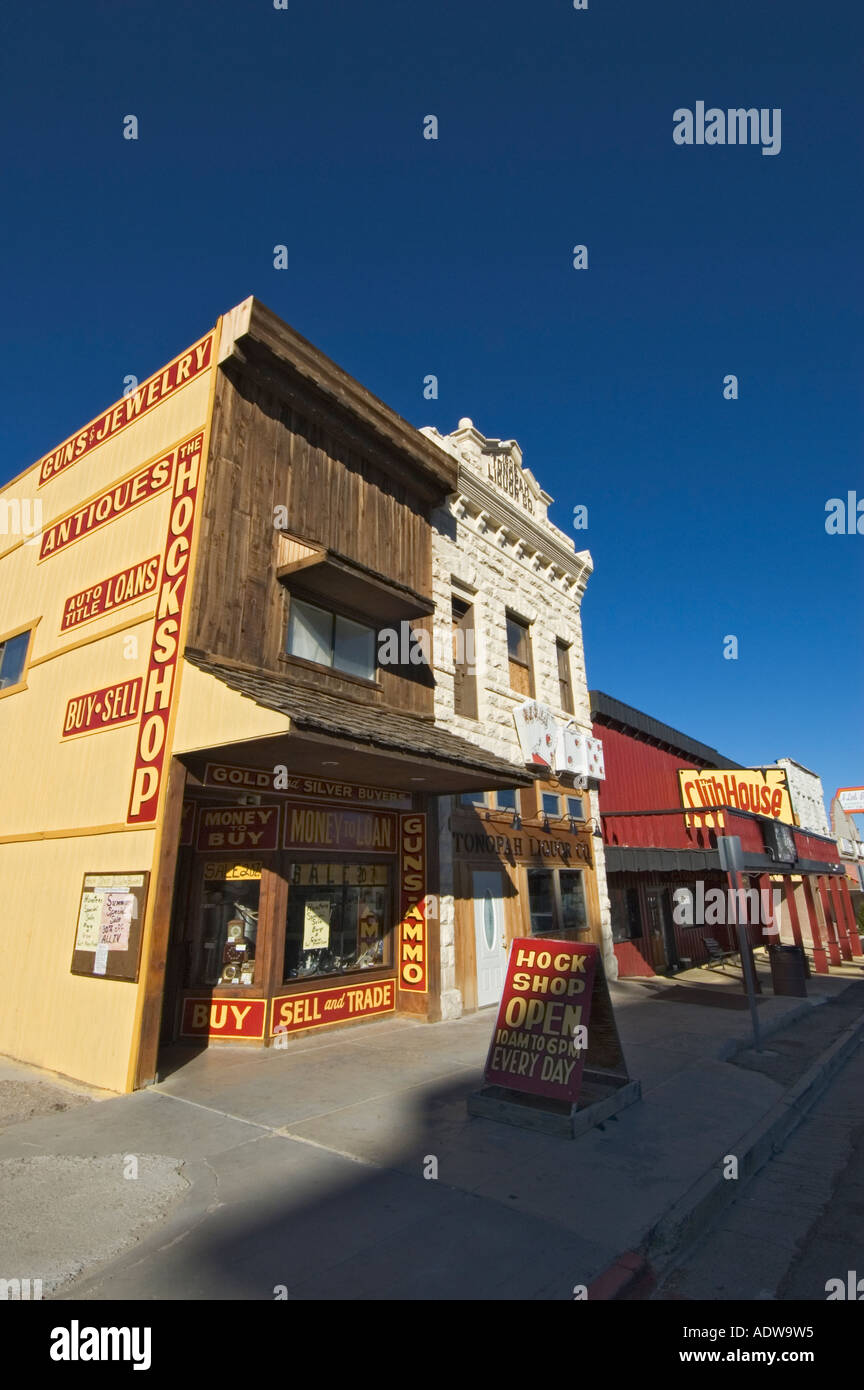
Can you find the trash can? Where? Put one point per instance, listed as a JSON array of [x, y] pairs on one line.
[[788, 970]]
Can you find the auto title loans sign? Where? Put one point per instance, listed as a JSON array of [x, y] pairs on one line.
[[763, 790], [538, 1045]]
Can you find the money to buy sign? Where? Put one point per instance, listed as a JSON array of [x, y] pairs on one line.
[[538, 1041]]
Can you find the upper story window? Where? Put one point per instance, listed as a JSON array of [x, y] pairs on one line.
[[464, 659], [315, 634], [473, 799], [519, 655], [565, 685], [13, 658]]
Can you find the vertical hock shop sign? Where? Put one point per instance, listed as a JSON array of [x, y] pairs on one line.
[[161, 678], [537, 1045]]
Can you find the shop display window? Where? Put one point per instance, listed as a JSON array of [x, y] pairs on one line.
[[556, 901], [229, 924], [339, 919]]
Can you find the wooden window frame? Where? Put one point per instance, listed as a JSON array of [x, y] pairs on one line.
[[565, 675], [334, 670], [21, 684], [514, 661]]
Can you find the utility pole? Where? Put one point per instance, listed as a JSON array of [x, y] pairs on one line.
[[732, 860]]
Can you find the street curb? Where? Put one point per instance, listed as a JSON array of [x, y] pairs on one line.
[[687, 1218], [769, 1026]]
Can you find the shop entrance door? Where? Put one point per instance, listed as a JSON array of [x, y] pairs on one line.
[[490, 946], [661, 931]]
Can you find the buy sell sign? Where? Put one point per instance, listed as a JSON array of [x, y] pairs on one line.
[[539, 1041]]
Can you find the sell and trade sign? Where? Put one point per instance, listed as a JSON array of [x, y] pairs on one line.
[[413, 931], [238, 827], [293, 1013], [539, 1041], [223, 1018], [763, 791]]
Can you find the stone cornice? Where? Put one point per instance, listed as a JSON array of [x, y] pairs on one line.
[[576, 566]]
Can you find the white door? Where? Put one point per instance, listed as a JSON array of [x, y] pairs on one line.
[[489, 936]]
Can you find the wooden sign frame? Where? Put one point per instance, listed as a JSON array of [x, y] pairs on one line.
[[104, 962]]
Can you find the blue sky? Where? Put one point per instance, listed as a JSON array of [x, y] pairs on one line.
[[406, 257]]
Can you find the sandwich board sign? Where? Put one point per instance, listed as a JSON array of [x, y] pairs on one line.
[[555, 1015]]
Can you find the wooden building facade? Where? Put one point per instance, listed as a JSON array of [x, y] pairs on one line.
[[221, 820]]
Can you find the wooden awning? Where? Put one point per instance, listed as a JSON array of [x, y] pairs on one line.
[[316, 572]]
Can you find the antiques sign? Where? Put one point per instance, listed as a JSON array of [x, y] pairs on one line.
[[538, 1045]]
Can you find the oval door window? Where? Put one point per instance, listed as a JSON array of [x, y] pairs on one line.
[[489, 920]]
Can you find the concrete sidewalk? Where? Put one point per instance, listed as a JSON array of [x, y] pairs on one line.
[[346, 1166]]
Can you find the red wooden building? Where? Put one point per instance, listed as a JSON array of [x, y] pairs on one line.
[[661, 837]]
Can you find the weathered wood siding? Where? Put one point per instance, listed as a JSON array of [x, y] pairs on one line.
[[267, 453]]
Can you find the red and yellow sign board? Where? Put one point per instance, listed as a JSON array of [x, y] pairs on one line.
[[761, 790], [103, 709], [165, 650], [238, 827], [108, 506], [547, 997], [315, 1009], [132, 407], [413, 928], [314, 827], [138, 581], [223, 1018], [258, 779]]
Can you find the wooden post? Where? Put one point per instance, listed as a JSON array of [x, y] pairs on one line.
[[162, 887], [820, 956], [836, 941], [841, 890], [789, 897]]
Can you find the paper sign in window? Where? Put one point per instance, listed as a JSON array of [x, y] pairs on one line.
[[316, 925]]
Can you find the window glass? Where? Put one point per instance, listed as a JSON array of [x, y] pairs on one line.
[[517, 640], [574, 914], [551, 805], [310, 632], [575, 807], [229, 924], [354, 648], [13, 654], [338, 919], [473, 798], [506, 800], [541, 902]]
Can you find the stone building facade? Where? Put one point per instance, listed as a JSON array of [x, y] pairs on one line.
[[508, 587], [807, 796]]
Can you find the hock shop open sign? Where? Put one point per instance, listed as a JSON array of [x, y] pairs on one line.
[[537, 1045]]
